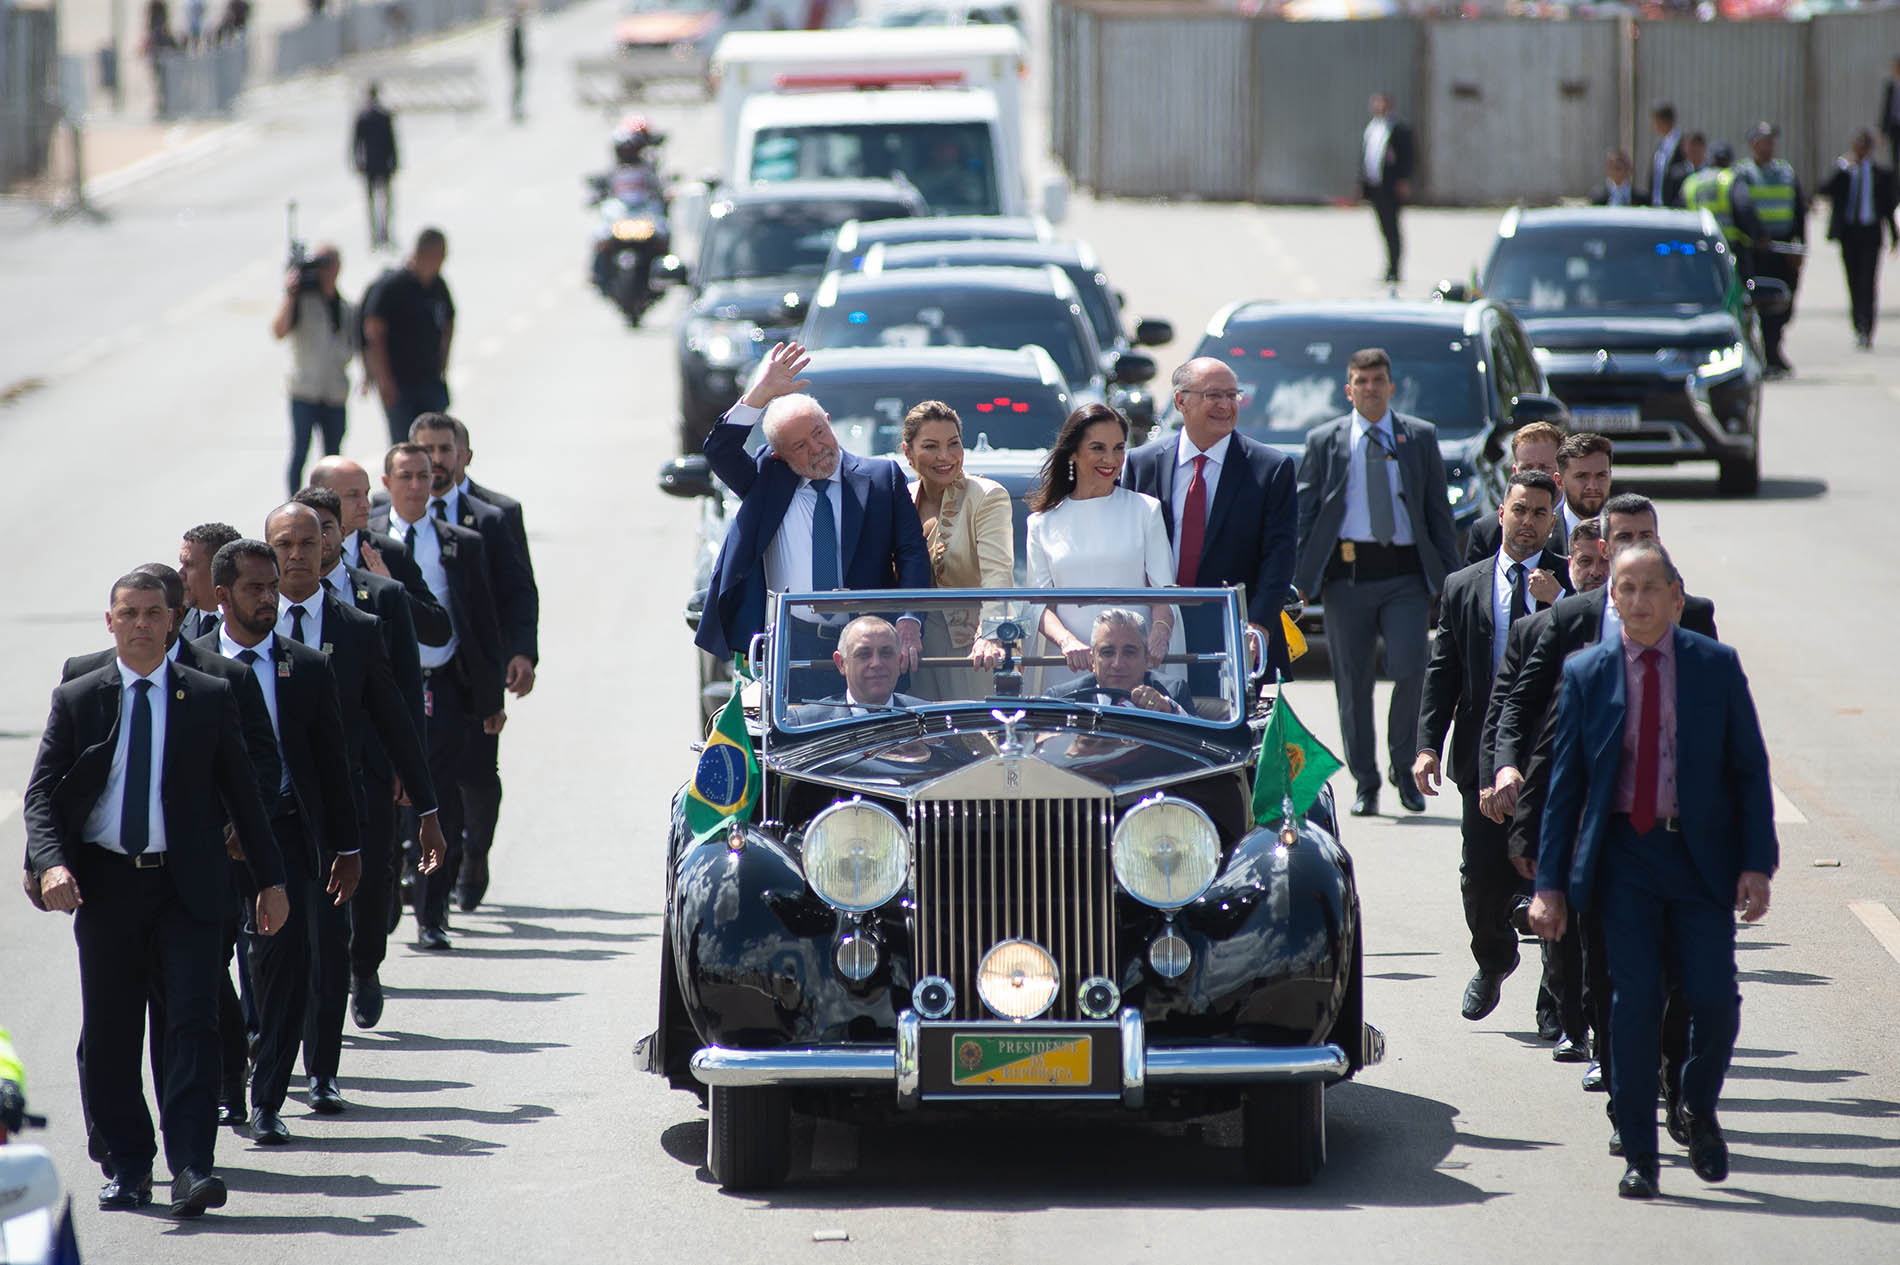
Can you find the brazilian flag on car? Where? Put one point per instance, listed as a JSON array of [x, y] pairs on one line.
[[726, 783]]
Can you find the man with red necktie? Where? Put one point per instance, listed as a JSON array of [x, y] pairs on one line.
[[1658, 821], [1228, 502]]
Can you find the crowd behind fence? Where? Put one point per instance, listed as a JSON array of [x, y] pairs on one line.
[[1181, 101]]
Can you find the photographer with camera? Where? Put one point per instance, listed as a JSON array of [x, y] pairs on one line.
[[320, 325]]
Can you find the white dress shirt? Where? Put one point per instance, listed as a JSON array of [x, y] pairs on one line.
[[104, 822], [1612, 621], [1378, 135], [1569, 518], [788, 556], [1659, 165], [1619, 194], [353, 549], [266, 673], [1357, 523], [451, 503], [1184, 454], [339, 582], [425, 547], [312, 618], [1501, 601], [1860, 193]]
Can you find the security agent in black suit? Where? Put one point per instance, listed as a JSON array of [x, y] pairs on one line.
[[1376, 542], [462, 682], [195, 551], [1618, 188], [315, 816], [1861, 195], [1667, 166], [376, 553], [377, 905], [518, 606], [1244, 491], [1533, 447], [1385, 175], [125, 821], [1475, 614], [261, 742], [371, 704]]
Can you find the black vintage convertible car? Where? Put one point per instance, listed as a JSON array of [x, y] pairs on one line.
[[997, 889]]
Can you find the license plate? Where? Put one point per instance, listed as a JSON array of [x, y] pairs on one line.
[[1023, 1061], [1603, 420]]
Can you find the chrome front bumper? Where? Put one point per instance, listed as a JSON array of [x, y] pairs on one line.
[[1142, 1065]]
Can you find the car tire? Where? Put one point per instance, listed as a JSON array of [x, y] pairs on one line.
[[1283, 1133], [1740, 478], [749, 1137]]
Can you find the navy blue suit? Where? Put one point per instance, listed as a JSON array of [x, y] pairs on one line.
[[1251, 526], [1664, 898], [881, 541]]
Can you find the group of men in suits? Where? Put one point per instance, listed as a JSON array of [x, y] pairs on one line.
[[236, 776]]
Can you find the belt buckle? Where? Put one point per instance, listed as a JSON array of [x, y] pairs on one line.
[[148, 861]]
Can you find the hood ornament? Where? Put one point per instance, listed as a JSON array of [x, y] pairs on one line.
[[1011, 744], [1604, 363]]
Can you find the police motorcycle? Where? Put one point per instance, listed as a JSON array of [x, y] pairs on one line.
[[631, 229], [36, 1221]]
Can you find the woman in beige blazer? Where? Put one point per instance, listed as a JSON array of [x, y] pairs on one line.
[[972, 543]]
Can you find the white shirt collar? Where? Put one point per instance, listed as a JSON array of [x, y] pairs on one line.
[[1185, 451], [1384, 425], [395, 518], [127, 676], [231, 649], [171, 651], [339, 577]]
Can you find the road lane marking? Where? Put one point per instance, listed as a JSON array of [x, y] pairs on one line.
[[1880, 921], [1785, 811]]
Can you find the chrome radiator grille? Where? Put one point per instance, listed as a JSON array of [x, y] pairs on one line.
[[999, 869]]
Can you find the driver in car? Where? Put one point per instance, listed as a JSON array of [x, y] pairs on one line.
[[867, 655], [1118, 667]]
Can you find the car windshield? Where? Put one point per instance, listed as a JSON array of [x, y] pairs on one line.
[[951, 164], [669, 6], [763, 239], [958, 318], [1549, 273], [1098, 303], [1293, 376], [837, 659], [999, 413]]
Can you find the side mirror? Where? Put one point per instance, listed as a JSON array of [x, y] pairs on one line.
[[671, 270], [695, 607], [1452, 292], [1770, 295], [688, 476], [1055, 199], [1151, 331], [1132, 368], [596, 188], [1532, 407]]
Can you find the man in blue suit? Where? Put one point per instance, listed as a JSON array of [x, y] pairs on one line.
[[1659, 817], [1228, 502], [811, 518]]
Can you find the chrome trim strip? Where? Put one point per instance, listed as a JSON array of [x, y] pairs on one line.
[[1245, 1064], [909, 1066], [1134, 1059], [835, 1065], [1372, 1050]]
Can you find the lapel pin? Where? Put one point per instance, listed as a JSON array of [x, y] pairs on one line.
[[283, 668], [328, 648], [180, 696], [362, 595], [468, 520]]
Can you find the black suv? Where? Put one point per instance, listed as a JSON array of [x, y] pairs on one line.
[[1645, 329], [761, 255]]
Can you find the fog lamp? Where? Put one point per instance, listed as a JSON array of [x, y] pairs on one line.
[[1018, 980]]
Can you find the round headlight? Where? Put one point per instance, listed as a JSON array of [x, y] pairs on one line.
[[1166, 852], [1018, 980], [857, 856]]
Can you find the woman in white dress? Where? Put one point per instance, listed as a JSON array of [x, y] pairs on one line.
[[1087, 531]]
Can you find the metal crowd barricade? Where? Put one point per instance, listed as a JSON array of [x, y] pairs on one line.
[[202, 83]]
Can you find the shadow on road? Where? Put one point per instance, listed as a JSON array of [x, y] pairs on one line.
[[470, 994], [521, 1113], [380, 1226], [390, 1040], [392, 1085], [335, 1185], [592, 915], [514, 929]]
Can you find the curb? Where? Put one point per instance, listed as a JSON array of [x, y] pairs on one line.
[[223, 137]]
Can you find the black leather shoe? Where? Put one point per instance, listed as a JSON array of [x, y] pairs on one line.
[[1675, 1119], [433, 939], [472, 884], [1409, 798], [193, 1192], [231, 1107], [123, 1194], [1708, 1149], [267, 1128], [1366, 803], [1616, 1140], [1481, 995], [1549, 1027], [1593, 1080], [1639, 1181], [1569, 1051], [325, 1098], [366, 1000]]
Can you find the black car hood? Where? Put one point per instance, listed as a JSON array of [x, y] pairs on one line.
[[758, 299], [1631, 331], [889, 759]]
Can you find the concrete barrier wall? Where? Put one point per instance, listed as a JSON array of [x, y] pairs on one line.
[[29, 108]]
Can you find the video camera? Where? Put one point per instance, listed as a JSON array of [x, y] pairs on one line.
[[299, 257]]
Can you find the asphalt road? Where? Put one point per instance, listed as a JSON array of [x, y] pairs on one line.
[[496, 1114]]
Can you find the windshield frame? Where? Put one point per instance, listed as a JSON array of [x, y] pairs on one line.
[[777, 665]]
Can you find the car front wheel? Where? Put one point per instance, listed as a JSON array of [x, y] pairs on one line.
[[1283, 1133], [1741, 477], [749, 1139]]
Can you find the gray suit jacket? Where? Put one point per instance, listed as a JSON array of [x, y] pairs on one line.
[[1322, 498]]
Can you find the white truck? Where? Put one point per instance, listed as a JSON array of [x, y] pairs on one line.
[[941, 108]]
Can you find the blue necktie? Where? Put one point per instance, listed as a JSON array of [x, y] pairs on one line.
[[135, 818], [824, 540]]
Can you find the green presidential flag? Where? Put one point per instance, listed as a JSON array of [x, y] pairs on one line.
[[1293, 766], [726, 783]]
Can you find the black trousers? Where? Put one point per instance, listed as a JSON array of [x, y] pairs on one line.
[[1489, 886], [299, 978], [1860, 256], [451, 725], [137, 938], [481, 792], [1786, 268], [369, 918], [1385, 205]]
